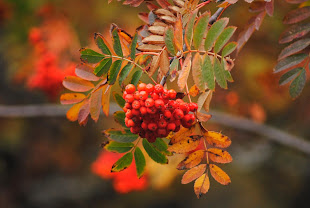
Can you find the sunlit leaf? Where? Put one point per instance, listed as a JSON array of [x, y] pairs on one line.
[[202, 185], [73, 112], [113, 71], [124, 73], [103, 67], [120, 136], [290, 61], [219, 74], [95, 104], [136, 77], [117, 147], [119, 117], [84, 112], [188, 144], [197, 72], [297, 15], [85, 72], [90, 56], [116, 42], [140, 162], [289, 76], [169, 36], [219, 156], [189, 29], [229, 48], [191, 160], [224, 38], [193, 173], [194, 91], [123, 163], [71, 98], [200, 29], [214, 32], [154, 153], [105, 100], [202, 117], [102, 44], [182, 134], [208, 72], [294, 48], [178, 34], [77, 84], [219, 175], [298, 84], [217, 139], [182, 80], [294, 32], [164, 62], [119, 99]]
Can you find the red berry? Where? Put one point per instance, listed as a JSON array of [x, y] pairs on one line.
[[130, 123], [165, 94], [135, 104], [152, 126], [179, 101], [136, 120], [193, 107], [143, 95], [151, 110], [171, 105], [125, 109], [135, 129], [142, 87], [177, 122], [142, 103], [135, 112], [189, 119], [178, 114], [162, 123], [129, 98], [124, 94], [158, 88], [149, 88], [172, 94], [171, 126], [128, 106], [136, 95], [162, 132], [167, 114], [150, 137], [130, 89], [144, 126], [159, 104], [129, 114], [142, 133], [143, 110], [149, 102], [184, 107], [155, 96]]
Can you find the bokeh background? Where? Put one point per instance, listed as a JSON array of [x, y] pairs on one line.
[[48, 161]]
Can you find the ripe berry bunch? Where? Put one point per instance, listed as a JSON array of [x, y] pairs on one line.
[[153, 111]]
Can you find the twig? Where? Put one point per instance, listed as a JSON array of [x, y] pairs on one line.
[[214, 17], [281, 137]]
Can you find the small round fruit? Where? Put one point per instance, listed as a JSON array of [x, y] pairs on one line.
[[155, 96], [130, 123], [135, 129], [143, 95], [149, 102], [193, 107], [136, 95], [129, 98], [162, 123], [130, 88], [184, 107], [143, 110], [152, 126], [151, 110], [167, 114], [178, 114], [171, 126], [165, 94], [171, 105], [158, 88], [135, 104], [161, 132], [149, 88], [141, 87], [144, 126], [129, 114], [172, 94], [135, 112], [159, 103]]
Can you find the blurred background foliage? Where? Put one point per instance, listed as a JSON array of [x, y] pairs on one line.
[[49, 161]]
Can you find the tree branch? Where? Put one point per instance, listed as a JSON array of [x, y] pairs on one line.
[[276, 135]]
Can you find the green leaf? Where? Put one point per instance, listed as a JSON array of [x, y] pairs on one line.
[[100, 41], [200, 29], [189, 30], [119, 117], [103, 67], [136, 77], [214, 32], [298, 84], [123, 163], [169, 36], [120, 136], [133, 46], [227, 74], [117, 43], [90, 56], [289, 76], [224, 38], [197, 72], [207, 72], [219, 74], [294, 32], [294, 48], [113, 72], [290, 61], [162, 146], [119, 99], [154, 154], [124, 73], [140, 162], [229, 48], [112, 146]]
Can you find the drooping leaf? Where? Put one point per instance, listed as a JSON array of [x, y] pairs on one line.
[[117, 147], [169, 36], [294, 48], [71, 98], [90, 56], [133, 46], [193, 91], [207, 102], [215, 30], [120, 136], [102, 44], [197, 72], [294, 32], [123, 163], [103, 67], [77, 84], [289, 76], [189, 29], [84, 112], [119, 99], [85, 71], [290, 61], [219, 175], [73, 112], [136, 77], [298, 84], [154, 153], [202, 117], [154, 65], [164, 62], [162, 146], [297, 15], [229, 48], [200, 29], [116, 41], [105, 100], [119, 117], [182, 134], [124, 73], [191, 160], [95, 104], [217, 139], [182, 80], [203, 98], [186, 145], [193, 173], [178, 34], [202, 185], [208, 72], [219, 74], [219, 156], [224, 38], [113, 71], [140, 162]]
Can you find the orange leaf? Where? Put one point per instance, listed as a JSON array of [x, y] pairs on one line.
[[203, 117], [188, 144], [84, 112], [193, 173], [71, 98], [95, 104], [180, 135], [164, 62], [217, 139], [105, 101], [77, 84], [194, 91], [73, 112], [178, 34], [219, 175], [85, 71], [191, 160], [202, 185], [185, 71], [219, 156]]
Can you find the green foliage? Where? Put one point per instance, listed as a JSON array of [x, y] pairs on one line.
[[119, 99], [214, 32], [123, 163], [117, 147], [154, 153], [113, 72], [119, 117], [200, 28], [124, 73], [219, 73], [136, 77], [298, 84], [120, 136], [103, 67], [100, 41], [169, 41], [140, 162], [90, 56]]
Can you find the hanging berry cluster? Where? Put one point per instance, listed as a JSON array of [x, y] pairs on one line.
[[153, 111]]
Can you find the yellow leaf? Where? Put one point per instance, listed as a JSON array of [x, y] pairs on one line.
[[194, 91], [202, 185], [180, 135], [219, 175], [154, 65], [188, 144], [185, 71], [105, 101], [178, 34], [95, 104], [77, 84], [219, 156], [193, 173], [217, 139], [73, 112], [164, 62], [191, 160], [71, 98]]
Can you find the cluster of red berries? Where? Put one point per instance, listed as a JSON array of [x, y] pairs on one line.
[[153, 111]]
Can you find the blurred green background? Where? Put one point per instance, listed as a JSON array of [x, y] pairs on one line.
[[45, 161]]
